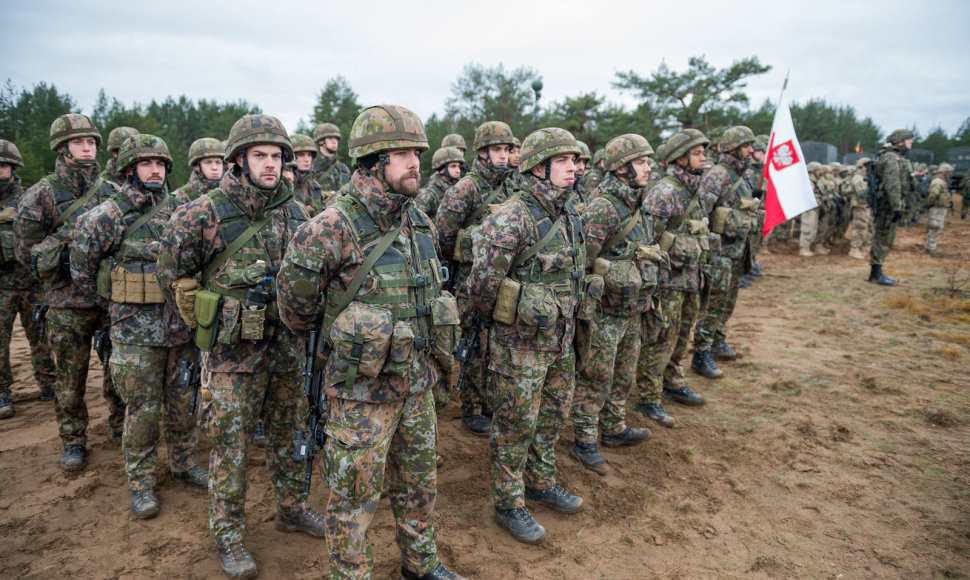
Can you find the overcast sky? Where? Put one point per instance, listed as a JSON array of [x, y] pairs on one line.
[[899, 62]]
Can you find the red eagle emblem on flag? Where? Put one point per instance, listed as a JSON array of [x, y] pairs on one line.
[[784, 155]]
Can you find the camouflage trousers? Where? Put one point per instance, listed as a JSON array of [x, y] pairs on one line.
[[665, 333], [756, 236], [475, 389], [12, 303], [884, 236], [934, 226], [711, 322], [147, 377], [533, 395], [366, 443], [860, 226], [604, 385], [809, 228], [70, 332], [229, 419]]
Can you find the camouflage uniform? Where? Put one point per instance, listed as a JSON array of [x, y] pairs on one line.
[[327, 170], [381, 425], [75, 314], [148, 337], [861, 212], [198, 183], [246, 380], [115, 138], [939, 201], [430, 195], [890, 200]]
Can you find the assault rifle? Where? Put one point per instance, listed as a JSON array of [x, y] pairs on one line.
[[102, 345], [307, 443], [37, 315], [469, 346], [873, 182], [190, 375]]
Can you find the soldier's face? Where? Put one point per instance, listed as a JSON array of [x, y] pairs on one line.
[[265, 165], [6, 170], [288, 173], [747, 150], [402, 171], [514, 154], [212, 167], [304, 159], [453, 169], [580, 167], [759, 156], [151, 170], [328, 145], [696, 160], [499, 155], [908, 143], [642, 167], [562, 170], [83, 147]]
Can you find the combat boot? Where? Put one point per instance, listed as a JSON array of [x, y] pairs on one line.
[[520, 523], [236, 561], [629, 436], [806, 251], [477, 424], [47, 393], [744, 282], [439, 573], [684, 396], [756, 267], [73, 458], [6, 408], [722, 351], [555, 497], [821, 250], [704, 365], [754, 273], [306, 520], [655, 412], [196, 477], [589, 455], [144, 503], [856, 254], [876, 275]]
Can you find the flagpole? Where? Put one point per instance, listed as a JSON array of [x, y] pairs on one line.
[[783, 87]]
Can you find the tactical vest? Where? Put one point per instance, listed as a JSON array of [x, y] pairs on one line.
[[132, 269], [736, 221], [531, 271], [633, 270], [7, 239], [688, 243], [64, 197], [50, 258], [473, 221]]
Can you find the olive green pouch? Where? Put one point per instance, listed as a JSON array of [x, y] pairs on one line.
[[207, 307]]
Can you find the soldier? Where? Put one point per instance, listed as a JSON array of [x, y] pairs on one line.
[[381, 409], [447, 166], [305, 188], [892, 169], [462, 209], [616, 248], [230, 242], [19, 290], [116, 137], [581, 199], [677, 220], [42, 226], [454, 140], [592, 177], [861, 212], [206, 160], [328, 171], [964, 195], [119, 238], [526, 279], [659, 169], [516, 178], [939, 201], [809, 220], [733, 213]]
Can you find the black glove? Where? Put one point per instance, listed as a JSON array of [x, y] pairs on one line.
[[758, 193], [897, 215], [821, 211]]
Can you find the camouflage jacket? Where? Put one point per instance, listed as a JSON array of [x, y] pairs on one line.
[[101, 234], [756, 175], [431, 194], [665, 203], [718, 190], [39, 209], [197, 185], [200, 230], [591, 178], [551, 280], [891, 169], [326, 253], [307, 191], [581, 196], [939, 195], [461, 200], [13, 274], [111, 173], [329, 172], [860, 190]]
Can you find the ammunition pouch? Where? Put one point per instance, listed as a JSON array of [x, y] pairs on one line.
[[206, 310], [622, 282], [361, 336], [253, 323], [537, 311], [47, 259], [130, 284], [444, 328], [685, 251], [185, 291], [506, 301]]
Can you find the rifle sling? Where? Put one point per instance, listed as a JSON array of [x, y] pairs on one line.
[[231, 249], [144, 218], [63, 217], [531, 251], [630, 224]]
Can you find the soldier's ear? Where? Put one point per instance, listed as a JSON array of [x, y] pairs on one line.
[[539, 172]]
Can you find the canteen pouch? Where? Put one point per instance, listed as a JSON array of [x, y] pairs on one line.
[[444, 329], [105, 268], [361, 338], [684, 251], [537, 312], [590, 301], [719, 219], [402, 349], [667, 241], [185, 291], [45, 258], [206, 310], [506, 301], [622, 285], [7, 245]]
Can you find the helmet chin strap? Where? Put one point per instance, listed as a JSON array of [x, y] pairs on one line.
[[66, 152], [245, 171]]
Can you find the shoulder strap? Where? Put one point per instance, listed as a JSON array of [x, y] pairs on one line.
[[78, 203], [347, 297], [675, 222], [535, 249], [231, 249], [630, 224], [485, 202], [144, 218]]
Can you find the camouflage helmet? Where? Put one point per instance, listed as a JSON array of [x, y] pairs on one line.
[[814, 166], [493, 133], [624, 149], [142, 146], [760, 143], [945, 168], [444, 156], [453, 140], [899, 135], [72, 126], [661, 153], [118, 135], [10, 154], [598, 156], [735, 137], [304, 143], [545, 144], [584, 151], [863, 161], [516, 143], [204, 148], [681, 142], [252, 130], [385, 127], [324, 130]]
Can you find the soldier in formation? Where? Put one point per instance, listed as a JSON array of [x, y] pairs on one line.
[[892, 170], [447, 167], [111, 172], [939, 201], [328, 171], [306, 190], [206, 161]]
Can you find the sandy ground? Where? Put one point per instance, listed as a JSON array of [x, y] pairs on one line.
[[837, 447]]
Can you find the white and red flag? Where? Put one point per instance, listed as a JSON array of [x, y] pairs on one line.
[[789, 190]]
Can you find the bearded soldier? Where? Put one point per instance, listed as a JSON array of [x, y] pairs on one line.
[[230, 242], [42, 225], [111, 172], [447, 166], [206, 161], [892, 169], [368, 270], [306, 190], [938, 201], [149, 340], [328, 171], [19, 290], [525, 282]]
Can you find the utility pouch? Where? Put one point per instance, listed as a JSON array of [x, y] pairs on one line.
[[7, 245], [684, 251], [459, 241], [667, 240], [720, 218], [402, 349], [506, 301], [185, 291], [207, 309], [601, 266], [45, 258], [591, 299], [104, 277], [622, 285], [444, 330], [586, 331], [537, 312], [361, 337]]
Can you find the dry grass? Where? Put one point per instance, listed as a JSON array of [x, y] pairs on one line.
[[963, 339], [951, 352], [931, 307]]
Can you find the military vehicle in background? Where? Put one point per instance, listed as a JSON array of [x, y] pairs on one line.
[[821, 152], [920, 156], [851, 158], [959, 158]]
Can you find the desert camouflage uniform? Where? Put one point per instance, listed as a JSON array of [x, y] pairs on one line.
[[965, 195], [432, 193], [939, 201], [248, 380], [197, 185], [329, 172], [861, 212], [149, 340], [75, 314], [893, 185], [19, 291], [381, 429], [533, 367]]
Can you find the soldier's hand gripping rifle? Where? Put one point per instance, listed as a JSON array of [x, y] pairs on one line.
[[307, 443], [469, 346]]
